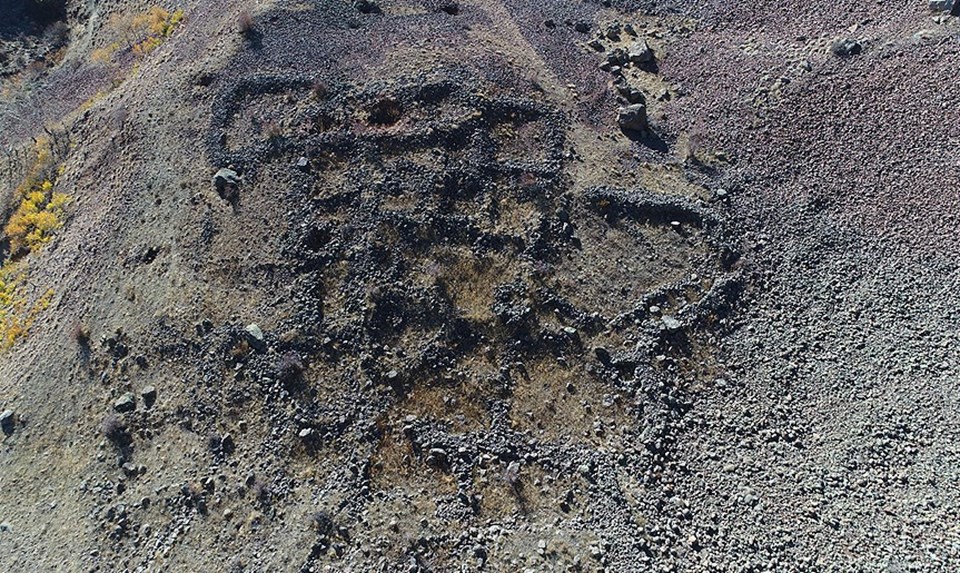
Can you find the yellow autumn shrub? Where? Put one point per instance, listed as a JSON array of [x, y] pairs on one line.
[[39, 214], [40, 211], [141, 33]]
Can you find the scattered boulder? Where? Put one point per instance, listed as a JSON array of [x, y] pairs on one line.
[[227, 183], [255, 333], [227, 445], [303, 164], [450, 7], [6, 421], [436, 457], [131, 469], [617, 57], [630, 93], [366, 7], [149, 395], [846, 47], [639, 52], [633, 117], [126, 403], [671, 324], [603, 356]]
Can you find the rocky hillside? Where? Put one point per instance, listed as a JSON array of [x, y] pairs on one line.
[[479, 285]]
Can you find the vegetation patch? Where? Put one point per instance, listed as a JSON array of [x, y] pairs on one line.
[[17, 311], [138, 34], [40, 212]]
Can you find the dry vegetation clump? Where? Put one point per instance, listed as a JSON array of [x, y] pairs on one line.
[[290, 367], [114, 430], [245, 23], [138, 34], [271, 129], [80, 333], [318, 90]]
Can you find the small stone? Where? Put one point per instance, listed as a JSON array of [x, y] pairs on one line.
[[596, 45], [227, 514], [939, 5], [149, 395], [640, 53], [130, 469], [126, 403], [303, 164], [5, 526], [255, 332], [306, 433], [582, 27], [633, 117], [6, 422], [569, 330]]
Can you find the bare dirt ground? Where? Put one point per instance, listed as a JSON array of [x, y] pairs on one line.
[[444, 314]]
